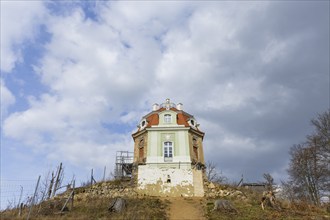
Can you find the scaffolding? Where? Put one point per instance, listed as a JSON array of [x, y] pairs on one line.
[[124, 164]]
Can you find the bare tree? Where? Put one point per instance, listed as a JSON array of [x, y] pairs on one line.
[[304, 173], [321, 135], [309, 166], [213, 175], [320, 142], [288, 191]]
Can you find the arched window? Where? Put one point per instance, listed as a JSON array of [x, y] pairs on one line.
[[195, 147], [168, 151], [167, 118], [141, 149]]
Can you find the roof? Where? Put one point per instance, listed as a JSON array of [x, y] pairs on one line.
[[153, 119]]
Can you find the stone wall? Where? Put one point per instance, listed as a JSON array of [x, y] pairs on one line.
[[213, 190], [114, 189], [107, 189]]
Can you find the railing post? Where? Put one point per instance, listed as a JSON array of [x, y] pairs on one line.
[[73, 188], [32, 202]]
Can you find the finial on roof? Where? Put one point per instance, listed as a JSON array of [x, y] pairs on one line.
[[179, 106], [167, 104], [155, 107]]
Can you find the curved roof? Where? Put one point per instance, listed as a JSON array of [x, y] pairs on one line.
[[182, 119]]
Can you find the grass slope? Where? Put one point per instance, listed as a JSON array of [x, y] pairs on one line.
[[97, 208], [146, 207]]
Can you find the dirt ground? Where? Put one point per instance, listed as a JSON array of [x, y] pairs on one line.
[[186, 208]]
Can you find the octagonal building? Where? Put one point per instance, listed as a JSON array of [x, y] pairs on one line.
[[168, 152]]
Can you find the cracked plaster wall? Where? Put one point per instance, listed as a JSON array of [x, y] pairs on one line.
[[153, 180]]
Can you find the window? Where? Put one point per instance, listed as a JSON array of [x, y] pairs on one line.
[[141, 143], [168, 179], [196, 152], [141, 150], [168, 151], [141, 153], [195, 147], [143, 123], [195, 141], [167, 118]]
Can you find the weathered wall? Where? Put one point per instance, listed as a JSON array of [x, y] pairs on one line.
[[156, 139], [140, 143], [199, 143], [169, 181], [198, 183]]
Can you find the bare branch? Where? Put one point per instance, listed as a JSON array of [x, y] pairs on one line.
[[213, 175]]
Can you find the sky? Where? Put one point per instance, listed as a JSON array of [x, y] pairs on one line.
[[77, 76]]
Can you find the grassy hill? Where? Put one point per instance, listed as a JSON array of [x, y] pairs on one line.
[[93, 203]]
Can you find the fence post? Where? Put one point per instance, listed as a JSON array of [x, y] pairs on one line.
[[34, 195], [20, 209], [73, 188], [20, 197], [59, 173], [51, 186], [92, 178], [19, 202], [105, 168], [66, 202]]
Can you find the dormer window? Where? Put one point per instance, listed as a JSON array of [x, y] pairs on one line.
[[192, 122], [167, 118], [143, 123]]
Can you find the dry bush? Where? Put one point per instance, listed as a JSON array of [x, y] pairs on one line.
[[51, 207]]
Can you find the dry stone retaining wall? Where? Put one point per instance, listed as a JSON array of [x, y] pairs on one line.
[[124, 189], [106, 189], [215, 191]]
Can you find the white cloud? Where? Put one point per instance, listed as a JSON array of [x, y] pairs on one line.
[[92, 78], [19, 22], [219, 59], [7, 99], [62, 131]]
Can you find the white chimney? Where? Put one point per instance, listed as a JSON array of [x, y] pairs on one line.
[[155, 107], [179, 106]]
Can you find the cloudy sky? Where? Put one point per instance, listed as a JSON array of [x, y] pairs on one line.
[[76, 77]]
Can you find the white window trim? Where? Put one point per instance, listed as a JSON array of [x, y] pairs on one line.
[[168, 157], [167, 118], [145, 124], [194, 124]]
